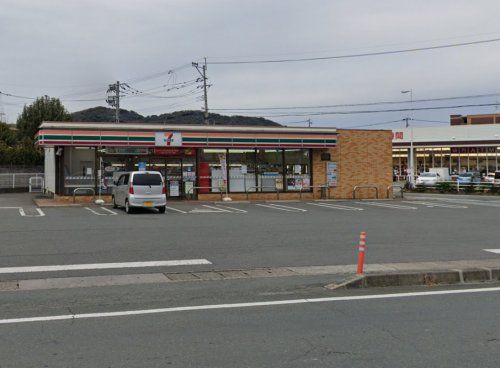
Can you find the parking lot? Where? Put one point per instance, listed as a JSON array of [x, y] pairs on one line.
[[250, 234]]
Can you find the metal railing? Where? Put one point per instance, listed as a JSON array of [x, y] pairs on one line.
[[364, 187], [276, 190], [190, 192], [311, 190], [81, 190], [36, 184], [17, 180]]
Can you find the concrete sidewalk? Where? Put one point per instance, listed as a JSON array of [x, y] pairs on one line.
[[388, 274]]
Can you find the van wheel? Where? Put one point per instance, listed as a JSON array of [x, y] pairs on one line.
[[128, 209], [161, 209], [114, 203]]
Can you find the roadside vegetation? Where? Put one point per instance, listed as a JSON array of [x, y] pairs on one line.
[[17, 142]]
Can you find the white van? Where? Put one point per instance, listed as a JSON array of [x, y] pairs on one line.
[[140, 189]]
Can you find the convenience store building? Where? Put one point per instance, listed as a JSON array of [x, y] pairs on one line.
[[200, 161]]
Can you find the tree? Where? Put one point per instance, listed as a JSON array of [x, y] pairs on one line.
[[42, 109], [7, 135]]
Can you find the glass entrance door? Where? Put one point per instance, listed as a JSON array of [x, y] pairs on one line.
[[173, 178]]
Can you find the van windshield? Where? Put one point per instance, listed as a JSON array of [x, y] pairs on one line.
[[147, 179], [428, 175]]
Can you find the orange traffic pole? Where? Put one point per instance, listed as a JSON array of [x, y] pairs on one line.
[[361, 253]]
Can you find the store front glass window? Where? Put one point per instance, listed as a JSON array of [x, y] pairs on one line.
[[270, 170], [79, 168], [209, 170], [242, 170], [297, 169]]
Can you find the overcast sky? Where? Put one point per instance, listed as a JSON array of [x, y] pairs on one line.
[[74, 49]]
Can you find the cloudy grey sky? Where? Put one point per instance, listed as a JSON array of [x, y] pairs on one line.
[[74, 49]]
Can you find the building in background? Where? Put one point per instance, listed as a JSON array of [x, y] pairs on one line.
[[471, 146]]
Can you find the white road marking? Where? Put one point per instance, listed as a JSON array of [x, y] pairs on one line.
[[489, 203], [387, 205], [232, 208], [40, 213], [22, 213], [174, 209], [497, 251], [108, 210], [95, 212], [337, 206], [282, 207], [100, 266], [245, 305], [217, 209], [435, 204]]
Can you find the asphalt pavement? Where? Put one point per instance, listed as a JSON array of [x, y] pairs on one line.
[[260, 321], [289, 322], [250, 235]]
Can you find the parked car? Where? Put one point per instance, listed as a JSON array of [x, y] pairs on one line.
[[470, 177], [428, 178], [140, 189], [496, 181], [489, 178]]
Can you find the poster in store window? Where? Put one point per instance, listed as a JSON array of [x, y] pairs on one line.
[[223, 167], [331, 173], [173, 188]]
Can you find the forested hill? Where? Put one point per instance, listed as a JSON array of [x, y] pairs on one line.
[[104, 114]]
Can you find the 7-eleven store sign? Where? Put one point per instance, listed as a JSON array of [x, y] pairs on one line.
[[168, 139]]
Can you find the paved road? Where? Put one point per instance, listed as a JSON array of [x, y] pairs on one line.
[[247, 235], [451, 330]]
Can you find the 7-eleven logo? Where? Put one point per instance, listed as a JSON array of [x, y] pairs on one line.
[[168, 139]]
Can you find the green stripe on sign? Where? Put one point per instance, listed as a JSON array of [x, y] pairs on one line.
[[227, 140], [196, 139], [114, 138], [57, 137], [86, 137], [141, 139]]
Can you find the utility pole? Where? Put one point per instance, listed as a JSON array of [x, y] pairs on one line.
[[309, 123], [113, 99], [203, 74], [411, 163]]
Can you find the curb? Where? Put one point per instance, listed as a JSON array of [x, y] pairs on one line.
[[424, 278]]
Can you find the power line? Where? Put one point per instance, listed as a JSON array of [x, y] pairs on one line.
[[430, 121], [378, 53], [375, 124], [358, 104], [378, 111]]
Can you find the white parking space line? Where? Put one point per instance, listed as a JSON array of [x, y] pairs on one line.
[[108, 210], [282, 207], [95, 212], [270, 303], [217, 209], [436, 204], [387, 205], [23, 213], [336, 206], [40, 213], [489, 203], [175, 209], [496, 251], [232, 208], [101, 266]]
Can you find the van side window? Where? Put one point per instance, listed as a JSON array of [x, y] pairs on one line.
[[125, 179]]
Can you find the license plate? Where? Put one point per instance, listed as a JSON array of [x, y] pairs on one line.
[[148, 204]]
